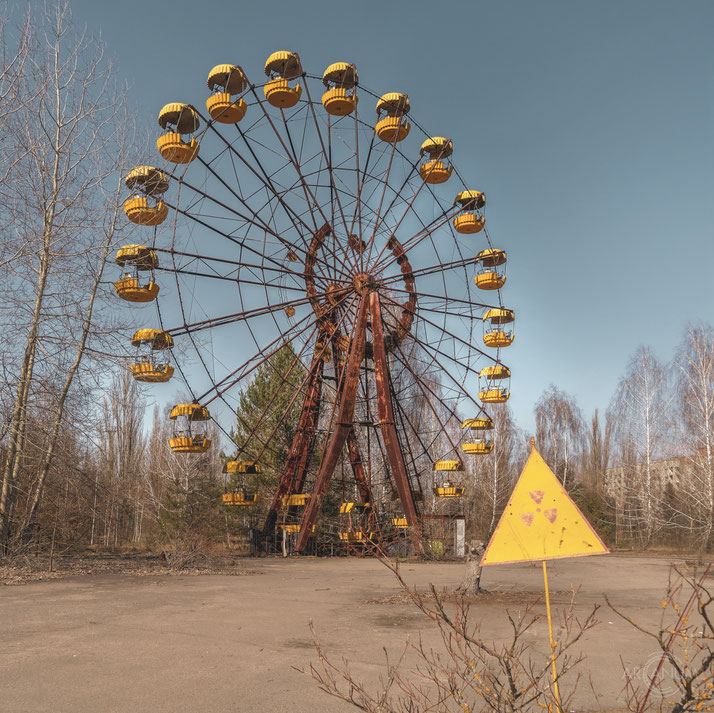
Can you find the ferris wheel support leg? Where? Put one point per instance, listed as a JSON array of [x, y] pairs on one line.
[[345, 419], [365, 492], [386, 423], [296, 465]]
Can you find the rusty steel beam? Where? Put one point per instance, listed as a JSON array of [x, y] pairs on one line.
[[365, 492], [303, 441], [345, 418], [386, 421]]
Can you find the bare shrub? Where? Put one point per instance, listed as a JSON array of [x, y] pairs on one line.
[[468, 673]]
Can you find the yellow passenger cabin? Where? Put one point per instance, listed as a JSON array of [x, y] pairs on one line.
[[241, 499], [148, 366], [282, 68], [435, 154], [295, 500], [188, 437], [447, 488], [392, 125], [478, 447], [494, 380], [340, 80], [489, 277], [242, 467], [178, 120], [469, 220], [346, 507], [135, 259], [497, 327], [225, 81]]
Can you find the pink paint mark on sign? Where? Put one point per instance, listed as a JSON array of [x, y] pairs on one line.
[[537, 495], [527, 518], [551, 514]]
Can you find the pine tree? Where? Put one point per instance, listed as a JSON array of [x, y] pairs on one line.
[[267, 418]]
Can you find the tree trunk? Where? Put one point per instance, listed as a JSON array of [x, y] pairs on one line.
[[471, 583]]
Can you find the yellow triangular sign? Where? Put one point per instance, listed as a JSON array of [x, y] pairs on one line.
[[540, 521]]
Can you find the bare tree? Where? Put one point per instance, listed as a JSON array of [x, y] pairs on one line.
[[68, 141], [559, 431], [694, 366], [640, 413]]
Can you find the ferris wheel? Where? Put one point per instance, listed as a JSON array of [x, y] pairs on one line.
[[308, 211]]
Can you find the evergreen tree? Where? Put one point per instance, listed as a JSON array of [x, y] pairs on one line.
[[267, 419]]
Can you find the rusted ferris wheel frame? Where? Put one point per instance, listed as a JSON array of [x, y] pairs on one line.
[[349, 284]]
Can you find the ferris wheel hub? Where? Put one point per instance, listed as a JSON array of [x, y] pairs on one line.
[[363, 282]]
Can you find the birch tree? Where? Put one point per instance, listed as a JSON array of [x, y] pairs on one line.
[[640, 411], [559, 431], [59, 199], [694, 373]]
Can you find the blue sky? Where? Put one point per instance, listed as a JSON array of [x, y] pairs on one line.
[[587, 124]]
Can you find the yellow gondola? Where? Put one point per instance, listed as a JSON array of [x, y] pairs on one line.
[[445, 466], [447, 490], [356, 536], [469, 221], [478, 424], [146, 367], [295, 528], [136, 258], [477, 448], [243, 467], [184, 439], [281, 68], [436, 169], [142, 212], [495, 384], [346, 508], [241, 499], [394, 126], [177, 120], [225, 80], [148, 180], [340, 79], [494, 396], [489, 278], [494, 334], [295, 499]]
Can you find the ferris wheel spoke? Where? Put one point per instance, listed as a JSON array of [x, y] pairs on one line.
[[205, 259], [423, 387], [226, 278], [417, 432], [262, 175], [283, 380], [423, 271], [458, 387], [236, 317], [309, 197], [261, 356], [385, 184], [318, 354], [241, 243], [256, 360], [334, 192], [443, 298], [442, 329], [427, 230], [265, 178], [422, 183]]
